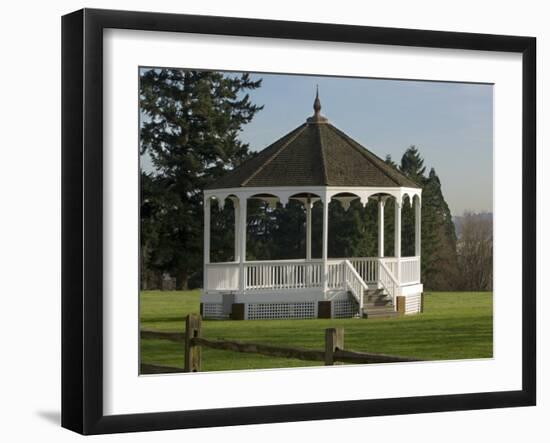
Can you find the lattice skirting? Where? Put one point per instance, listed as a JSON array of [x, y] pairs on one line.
[[345, 308], [214, 311], [263, 311], [413, 304], [289, 310]]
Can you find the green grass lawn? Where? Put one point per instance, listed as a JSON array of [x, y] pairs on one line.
[[454, 325]]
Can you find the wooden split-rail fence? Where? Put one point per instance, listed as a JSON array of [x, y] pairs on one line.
[[193, 342]]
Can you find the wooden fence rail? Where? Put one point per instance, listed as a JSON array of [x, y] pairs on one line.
[[193, 341]]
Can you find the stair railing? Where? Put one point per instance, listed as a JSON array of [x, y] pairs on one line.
[[354, 283], [389, 282]]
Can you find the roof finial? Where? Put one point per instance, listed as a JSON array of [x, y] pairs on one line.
[[317, 117], [317, 102]]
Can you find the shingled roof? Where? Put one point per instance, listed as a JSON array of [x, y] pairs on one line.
[[314, 154]]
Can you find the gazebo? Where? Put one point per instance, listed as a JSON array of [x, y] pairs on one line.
[[316, 162]]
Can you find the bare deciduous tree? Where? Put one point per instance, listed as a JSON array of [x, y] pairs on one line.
[[475, 252]]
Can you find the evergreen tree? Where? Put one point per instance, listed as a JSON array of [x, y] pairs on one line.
[[412, 165], [288, 236], [390, 161], [389, 219], [150, 209], [190, 127], [439, 257], [261, 223], [348, 230], [222, 232]]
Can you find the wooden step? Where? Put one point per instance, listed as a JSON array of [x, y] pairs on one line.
[[377, 313], [380, 305], [376, 304], [388, 307], [378, 299], [378, 296], [386, 315], [374, 291], [381, 308]]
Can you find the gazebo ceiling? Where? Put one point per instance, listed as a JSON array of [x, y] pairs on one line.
[[314, 154]]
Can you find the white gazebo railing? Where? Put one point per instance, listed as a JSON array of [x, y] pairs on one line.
[[354, 283], [367, 267], [301, 273], [283, 274], [222, 276], [391, 263], [388, 281], [410, 270], [335, 274]]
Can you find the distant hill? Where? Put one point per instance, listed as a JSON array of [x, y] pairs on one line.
[[457, 220]]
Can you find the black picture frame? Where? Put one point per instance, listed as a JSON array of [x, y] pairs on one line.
[[82, 218]]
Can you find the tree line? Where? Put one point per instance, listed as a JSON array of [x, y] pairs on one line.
[[190, 128], [475, 251]]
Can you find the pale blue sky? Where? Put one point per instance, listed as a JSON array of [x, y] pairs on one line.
[[450, 123]]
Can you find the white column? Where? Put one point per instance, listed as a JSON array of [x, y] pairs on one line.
[[308, 229], [381, 202], [325, 244], [417, 227], [206, 244], [236, 254], [242, 241], [397, 237]]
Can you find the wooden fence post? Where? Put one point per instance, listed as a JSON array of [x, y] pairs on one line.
[[334, 339], [192, 351]]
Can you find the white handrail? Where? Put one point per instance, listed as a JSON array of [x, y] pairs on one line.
[[411, 258], [282, 275], [300, 273], [410, 270], [221, 263], [222, 276], [290, 260], [388, 281], [354, 283]]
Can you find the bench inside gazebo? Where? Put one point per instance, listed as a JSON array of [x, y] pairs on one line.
[[316, 162]]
